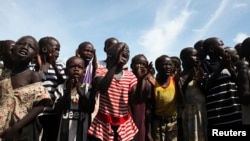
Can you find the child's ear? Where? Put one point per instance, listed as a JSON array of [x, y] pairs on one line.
[[44, 49], [77, 53]]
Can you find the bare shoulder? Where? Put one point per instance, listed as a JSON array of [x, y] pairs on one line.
[[35, 76]]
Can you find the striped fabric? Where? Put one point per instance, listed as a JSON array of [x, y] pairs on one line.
[[115, 103], [49, 81], [222, 100], [74, 121]]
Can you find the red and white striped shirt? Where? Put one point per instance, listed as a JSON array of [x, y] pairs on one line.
[[115, 104]]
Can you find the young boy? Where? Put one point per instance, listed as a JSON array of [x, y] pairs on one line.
[[72, 103], [222, 100], [52, 72], [26, 95]]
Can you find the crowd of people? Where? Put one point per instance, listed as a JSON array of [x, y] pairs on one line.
[[174, 98]]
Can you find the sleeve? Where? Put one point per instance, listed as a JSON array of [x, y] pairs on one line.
[[41, 94], [100, 72]]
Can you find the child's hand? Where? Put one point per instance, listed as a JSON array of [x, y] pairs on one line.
[[226, 60], [198, 74], [10, 134], [122, 58], [70, 85], [79, 89]]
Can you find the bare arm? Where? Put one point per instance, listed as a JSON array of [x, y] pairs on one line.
[[243, 79], [12, 132]]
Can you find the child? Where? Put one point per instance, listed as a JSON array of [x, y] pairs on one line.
[[52, 72], [222, 99], [108, 43], [72, 103], [141, 108], [5, 56], [113, 121], [243, 80], [27, 95], [194, 115], [167, 101], [86, 51]]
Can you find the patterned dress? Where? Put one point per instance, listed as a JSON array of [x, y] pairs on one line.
[[16, 103], [114, 110]]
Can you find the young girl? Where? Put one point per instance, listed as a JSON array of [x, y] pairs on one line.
[[194, 115], [142, 106], [72, 103], [24, 94], [168, 101], [113, 121]]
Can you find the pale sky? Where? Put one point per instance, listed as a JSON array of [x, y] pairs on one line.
[[149, 27]]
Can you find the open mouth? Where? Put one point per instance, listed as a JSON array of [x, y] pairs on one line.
[[23, 52]]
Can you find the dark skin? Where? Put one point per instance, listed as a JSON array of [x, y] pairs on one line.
[[141, 68], [75, 70], [24, 51], [87, 51], [5, 56], [50, 53], [243, 77], [118, 56], [219, 58], [165, 70], [110, 42], [191, 69]]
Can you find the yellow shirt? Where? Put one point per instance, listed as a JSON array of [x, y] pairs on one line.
[[165, 99]]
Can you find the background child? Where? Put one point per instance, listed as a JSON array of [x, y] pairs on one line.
[[5, 57], [222, 99], [52, 72], [243, 80], [141, 106], [194, 115]]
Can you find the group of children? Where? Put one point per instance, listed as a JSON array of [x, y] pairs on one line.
[[42, 99]]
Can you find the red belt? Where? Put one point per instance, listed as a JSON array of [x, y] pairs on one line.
[[112, 120]]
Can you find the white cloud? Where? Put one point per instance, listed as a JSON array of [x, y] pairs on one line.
[[160, 39], [240, 37], [212, 19], [239, 5]]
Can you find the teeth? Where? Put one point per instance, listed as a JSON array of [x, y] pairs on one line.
[[23, 52]]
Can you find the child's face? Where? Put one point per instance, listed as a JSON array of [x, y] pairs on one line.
[[140, 64], [120, 52], [166, 67], [75, 68], [87, 52], [25, 49], [193, 58], [218, 47], [53, 48]]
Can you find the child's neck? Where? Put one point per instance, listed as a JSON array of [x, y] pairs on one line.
[[19, 70]]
